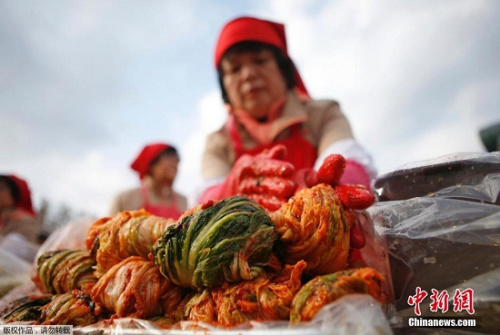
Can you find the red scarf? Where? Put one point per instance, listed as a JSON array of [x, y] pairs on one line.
[[259, 131]]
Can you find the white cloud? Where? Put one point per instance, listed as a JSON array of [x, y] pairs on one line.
[[211, 115], [400, 71], [71, 107], [86, 184], [84, 85]]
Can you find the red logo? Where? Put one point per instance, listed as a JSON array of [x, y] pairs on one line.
[[415, 300], [462, 300], [439, 301]]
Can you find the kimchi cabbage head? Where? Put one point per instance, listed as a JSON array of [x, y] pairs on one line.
[[225, 241]]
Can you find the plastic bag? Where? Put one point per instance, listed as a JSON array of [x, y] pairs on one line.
[[374, 254], [445, 240], [465, 175], [14, 271], [356, 314], [352, 314], [69, 236], [16, 244]]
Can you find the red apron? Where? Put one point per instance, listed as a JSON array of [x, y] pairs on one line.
[[168, 212], [300, 152]]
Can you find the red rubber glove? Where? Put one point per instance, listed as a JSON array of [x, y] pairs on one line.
[[355, 173], [351, 183], [305, 178], [332, 169], [266, 178]]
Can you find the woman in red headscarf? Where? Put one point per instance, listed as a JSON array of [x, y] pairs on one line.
[[268, 104], [16, 211], [156, 165]]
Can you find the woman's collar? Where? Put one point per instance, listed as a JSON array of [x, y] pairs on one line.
[[293, 112]]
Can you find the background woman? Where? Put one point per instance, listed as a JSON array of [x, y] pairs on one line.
[[16, 211], [157, 165]]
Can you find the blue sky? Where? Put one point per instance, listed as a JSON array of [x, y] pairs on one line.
[[84, 85]]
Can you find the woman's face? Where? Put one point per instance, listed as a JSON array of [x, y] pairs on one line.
[[253, 81], [165, 168], [6, 198]]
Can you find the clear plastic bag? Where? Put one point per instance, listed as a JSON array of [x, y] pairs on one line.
[[69, 236], [446, 239], [356, 314], [470, 176], [14, 271], [16, 244], [21, 271]]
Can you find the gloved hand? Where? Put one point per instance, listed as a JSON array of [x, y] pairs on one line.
[[355, 173], [271, 181], [305, 178], [266, 177], [337, 170], [352, 196]]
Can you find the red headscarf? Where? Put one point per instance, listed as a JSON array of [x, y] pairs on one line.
[[146, 156], [24, 194], [252, 29]]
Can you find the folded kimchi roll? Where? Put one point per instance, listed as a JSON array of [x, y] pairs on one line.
[[200, 307], [128, 233], [323, 290], [226, 241], [74, 308], [24, 309], [313, 227], [132, 288], [62, 271], [267, 297]]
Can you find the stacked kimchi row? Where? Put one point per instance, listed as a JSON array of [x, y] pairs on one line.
[[224, 263]]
